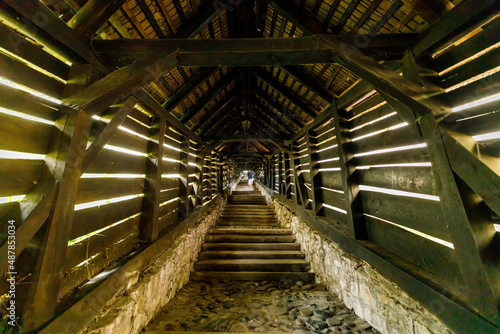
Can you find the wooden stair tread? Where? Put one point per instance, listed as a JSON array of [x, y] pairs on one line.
[[251, 254], [260, 231], [251, 276], [249, 238], [250, 246]]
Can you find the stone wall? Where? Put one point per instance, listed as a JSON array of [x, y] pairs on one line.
[[157, 285], [373, 297]]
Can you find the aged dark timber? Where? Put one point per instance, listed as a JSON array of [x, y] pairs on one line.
[[126, 126]]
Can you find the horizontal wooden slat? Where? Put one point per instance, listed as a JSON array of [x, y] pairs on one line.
[[363, 107], [129, 141], [34, 54], [413, 155], [168, 183], [470, 47], [21, 135], [411, 179], [78, 253], [477, 90], [369, 116], [471, 69], [96, 189], [77, 276], [8, 211], [19, 176], [93, 219], [431, 257], [328, 154], [167, 208], [332, 180], [111, 162], [419, 214], [26, 103], [390, 139], [380, 125], [22, 74], [334, 199]]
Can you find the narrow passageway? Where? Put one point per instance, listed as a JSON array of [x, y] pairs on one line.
[[251, 276]]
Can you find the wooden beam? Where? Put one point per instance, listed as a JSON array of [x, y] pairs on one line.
[[151, 19], [149, 225], [43, 18], [277, 106], [312, 159], [153, 105], [350, 186], [216, 111], [206, 13], [244, 52], [183, 179], [214, 121], [103, 138], [305, 80], [41, 199], [68, 169], [273, 117], [284, 91], [92, 16], [455, 24], [297, 17], [189, 87], [221, 85], [121, 83]]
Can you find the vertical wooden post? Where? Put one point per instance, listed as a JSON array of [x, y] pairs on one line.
[[198, 184], [65, 159], [465, 241], [312, 159], [209, 178], [354, 207], [148, 230], [281, 189], [183, 179], [288, 175], [300, 189]]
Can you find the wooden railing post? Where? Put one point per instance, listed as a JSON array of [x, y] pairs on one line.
[[183, 179], [149, 226]]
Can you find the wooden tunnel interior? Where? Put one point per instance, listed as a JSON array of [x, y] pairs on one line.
[[119, 119]]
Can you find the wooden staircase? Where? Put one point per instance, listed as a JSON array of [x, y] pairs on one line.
[[247, 244]]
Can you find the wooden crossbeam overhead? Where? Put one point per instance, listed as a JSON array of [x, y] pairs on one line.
[[273, 117], [244, 52], [219, 116], [92, 16], [33, 10], [244, 138]]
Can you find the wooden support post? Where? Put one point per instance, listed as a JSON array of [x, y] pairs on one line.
[[149, 226], [183, 179], [465, 239], [300, 189], [198, 183], [280, 189], [288, 175], [46, 279], [354, 207], [312, 159], [209, 177]]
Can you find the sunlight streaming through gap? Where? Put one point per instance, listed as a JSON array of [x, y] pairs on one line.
[[106, 201], [398, 192], [421, 234]]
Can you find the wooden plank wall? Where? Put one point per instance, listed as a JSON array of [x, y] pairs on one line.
[[111, 192]]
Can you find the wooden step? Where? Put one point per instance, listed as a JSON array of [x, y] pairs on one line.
[[246, 218], [246, 223], [247, 231], [252, 265], [211, 276], [267, 254], [248, 215], [250, 246], [238, 238]]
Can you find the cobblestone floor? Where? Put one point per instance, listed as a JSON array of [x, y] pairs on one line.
[[258, 307]]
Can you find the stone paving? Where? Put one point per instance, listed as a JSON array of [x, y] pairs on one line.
[[258, 307]]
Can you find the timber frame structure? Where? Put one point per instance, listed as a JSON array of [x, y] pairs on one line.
[[377, 121]]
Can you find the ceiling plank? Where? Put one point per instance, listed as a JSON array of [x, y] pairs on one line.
[[87, 21], [150, 17], [222, 84], [277, 106]]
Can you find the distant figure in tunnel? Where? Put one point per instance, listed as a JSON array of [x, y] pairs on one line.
[[250, 179]]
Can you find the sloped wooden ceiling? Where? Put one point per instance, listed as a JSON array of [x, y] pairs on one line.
[[277, 100]]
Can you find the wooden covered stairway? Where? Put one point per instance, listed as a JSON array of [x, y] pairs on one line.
[[247, 244]]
